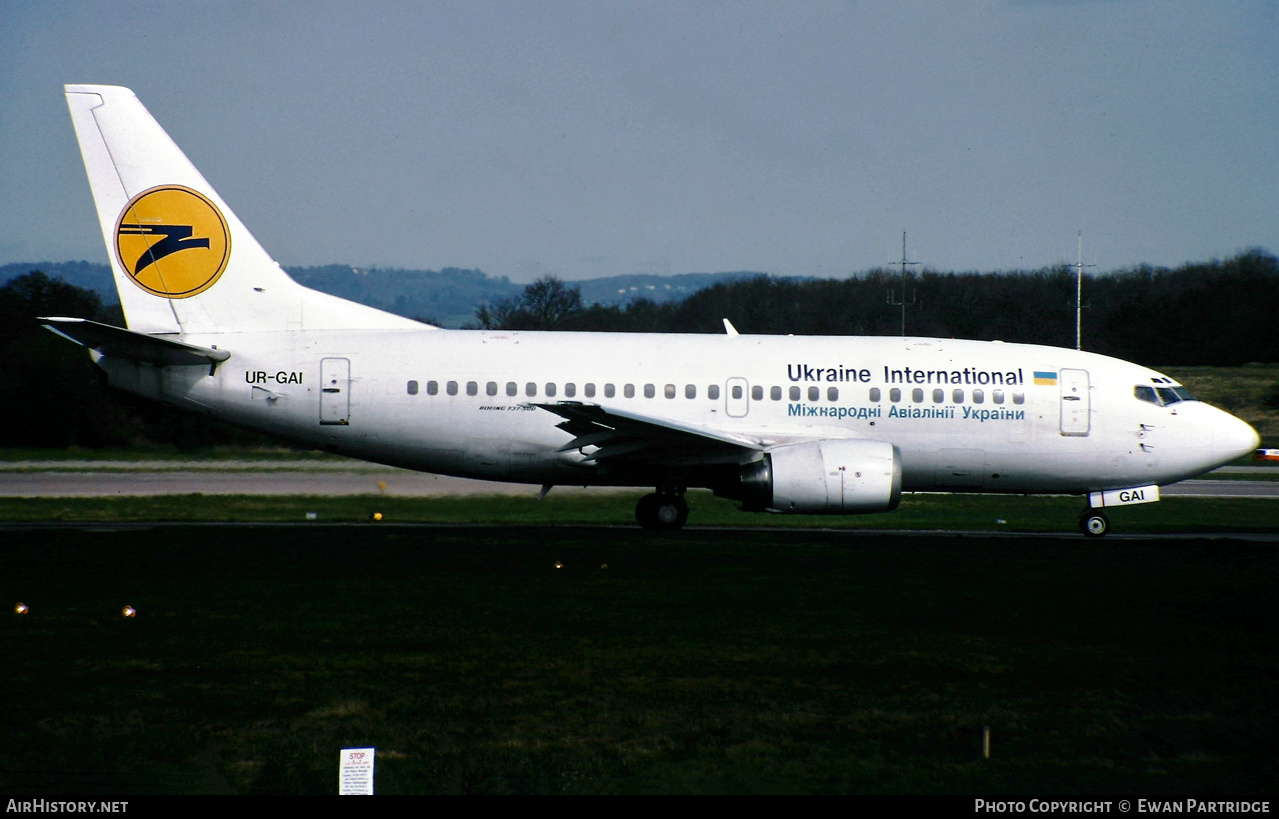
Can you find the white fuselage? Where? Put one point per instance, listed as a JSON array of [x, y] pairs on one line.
[[966, 415]]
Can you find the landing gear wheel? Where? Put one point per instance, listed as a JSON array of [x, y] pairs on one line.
[[661, 512], [1094, 523]]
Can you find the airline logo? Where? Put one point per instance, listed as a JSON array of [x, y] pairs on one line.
[[172, 242], [1045, 379]]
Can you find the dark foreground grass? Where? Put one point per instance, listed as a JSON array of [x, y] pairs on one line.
[[1006, 513], [711, 661]]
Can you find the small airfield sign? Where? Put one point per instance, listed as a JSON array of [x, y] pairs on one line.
[[355, 771]]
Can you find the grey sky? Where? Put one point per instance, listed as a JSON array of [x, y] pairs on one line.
[[601, 138]]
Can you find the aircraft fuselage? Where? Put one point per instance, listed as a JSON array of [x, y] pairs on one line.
[[966, 415]]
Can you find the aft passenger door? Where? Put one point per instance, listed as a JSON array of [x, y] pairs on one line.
[[335, 391], [1076, 405]]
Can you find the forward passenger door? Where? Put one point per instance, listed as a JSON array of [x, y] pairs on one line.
[[1076, 405]]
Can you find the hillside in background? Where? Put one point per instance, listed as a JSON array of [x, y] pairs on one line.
[[1221, 312], [446, 297]]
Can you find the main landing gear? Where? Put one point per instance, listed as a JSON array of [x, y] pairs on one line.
[[662, 510], [1094, 523]]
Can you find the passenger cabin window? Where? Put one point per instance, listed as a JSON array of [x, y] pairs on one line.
[[832, 393], [589, 389], [432, 387], [550, 389], [669, 391], [629, 391], [939, 396], [895, 395], [957, 396], [490, 388], [712, 392], [1019, 397], [997, 396], [794, 393], [412, 388], [814, 393], [451, 388], [472, 388], [917, 395], [979, 396], [737, 392], [775, 393], [530, 389], [512, 388], [690, 390], [609, 390], [649, 390], [757, 393], [875, 394], [570, 390]]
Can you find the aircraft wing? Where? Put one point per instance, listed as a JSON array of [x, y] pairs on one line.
[[612, 435], [117, 341]]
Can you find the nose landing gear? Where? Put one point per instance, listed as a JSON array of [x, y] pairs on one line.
[[662, 510], [1094, 523]]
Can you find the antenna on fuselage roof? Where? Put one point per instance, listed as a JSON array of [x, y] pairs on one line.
[[729, 328], [1079, 292], [903, 301]]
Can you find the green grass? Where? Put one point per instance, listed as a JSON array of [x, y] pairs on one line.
[[1243, 391], [1270, 473], [919, 511], [699, 662]]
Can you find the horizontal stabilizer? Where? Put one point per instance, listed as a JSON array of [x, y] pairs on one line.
[[122, 343]]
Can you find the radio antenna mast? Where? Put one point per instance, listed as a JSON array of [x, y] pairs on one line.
[[903, 301], [1079, 291]]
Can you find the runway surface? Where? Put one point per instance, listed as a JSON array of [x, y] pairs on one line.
[[85, 478]]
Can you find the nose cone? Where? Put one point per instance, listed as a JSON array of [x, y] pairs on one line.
[[1232, 438]]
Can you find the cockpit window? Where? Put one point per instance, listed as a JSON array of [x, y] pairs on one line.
[[1174, 395], [1162, 396]]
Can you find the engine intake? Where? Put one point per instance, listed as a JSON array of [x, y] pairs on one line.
[[825, 477]]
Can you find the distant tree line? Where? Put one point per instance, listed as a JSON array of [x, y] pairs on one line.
[[56, 398], [1213, 313]]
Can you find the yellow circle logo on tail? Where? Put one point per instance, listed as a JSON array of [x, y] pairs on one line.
[[172, 241]]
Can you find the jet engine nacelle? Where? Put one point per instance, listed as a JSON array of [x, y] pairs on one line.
[[832, 477]]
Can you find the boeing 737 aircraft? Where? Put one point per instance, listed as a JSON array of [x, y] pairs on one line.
[[808, 425]]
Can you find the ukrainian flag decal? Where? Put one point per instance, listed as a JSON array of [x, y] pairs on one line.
[[1045, 379]]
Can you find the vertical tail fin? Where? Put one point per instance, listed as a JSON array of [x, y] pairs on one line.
[[183, 262]]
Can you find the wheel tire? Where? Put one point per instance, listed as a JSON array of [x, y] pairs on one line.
[[1094, 524], [672, 512], [646, 512], [661, 512]]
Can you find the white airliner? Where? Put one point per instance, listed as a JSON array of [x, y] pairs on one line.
[[790, 424]]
